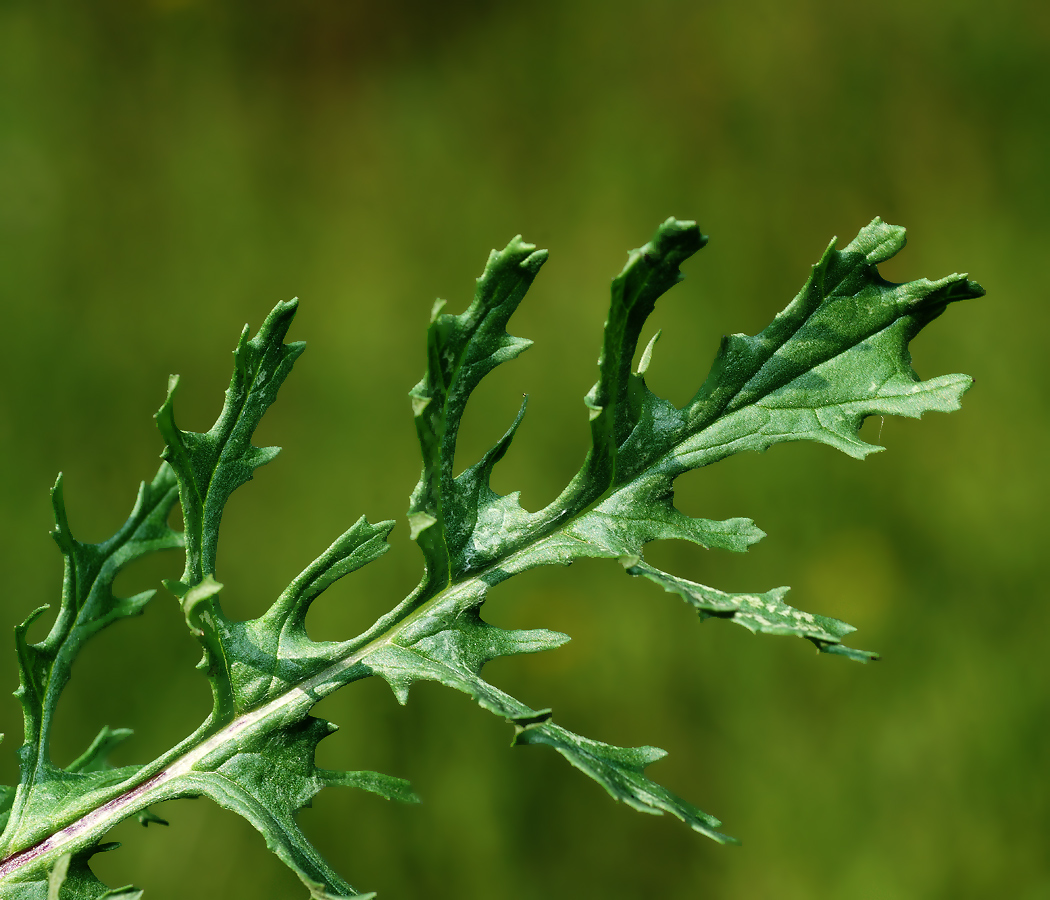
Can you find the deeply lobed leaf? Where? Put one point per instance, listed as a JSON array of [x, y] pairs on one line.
[[47, 795], [836, 354]]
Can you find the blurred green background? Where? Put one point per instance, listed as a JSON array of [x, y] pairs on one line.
[[170, 170]]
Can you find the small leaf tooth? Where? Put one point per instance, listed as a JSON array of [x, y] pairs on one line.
[[517, 246], [178, 588], [514, 346], [260, 456], [388, 787], [61, 533], [487, 463], [419, 404], [861, 656], [400, 687], [165, 419], [196, 597], [439, 305], [31, 618], [531, 719], [240, 353], [647, 354], [419, 522], [491, 261], [534, 261], [275, 326], [359, 545], [57, 876], [94, 758], [205, 588], [135, 604], [147, 817], [878, 241]]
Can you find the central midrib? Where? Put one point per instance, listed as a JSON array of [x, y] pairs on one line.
[[155, 776], [307, 692]]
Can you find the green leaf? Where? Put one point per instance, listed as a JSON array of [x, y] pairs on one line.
[[211, 466], [48, 796], [147, 817], [267, 779], [461, 350], [386, 786], [836, 354], [95, 758], [617, 769], [267, 774], [765, 613]]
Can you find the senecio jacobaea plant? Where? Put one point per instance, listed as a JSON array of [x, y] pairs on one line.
[[836, 354]]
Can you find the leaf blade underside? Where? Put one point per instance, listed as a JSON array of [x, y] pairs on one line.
[[836, 354], [46, 793]]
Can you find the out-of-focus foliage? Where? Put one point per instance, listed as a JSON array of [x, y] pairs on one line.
[[172, 162]]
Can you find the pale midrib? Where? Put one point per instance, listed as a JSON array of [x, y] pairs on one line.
[[307, 693], [94, 824], [100, 820]]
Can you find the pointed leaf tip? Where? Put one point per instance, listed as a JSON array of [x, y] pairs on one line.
[[386, 786], [31, 618], [419, 522], [57, 876], [61, 533], [861, 656], [419, 404], [96, 757], [534, 261], [210, 466], [147, 817], [195, 602], [647, 354]]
